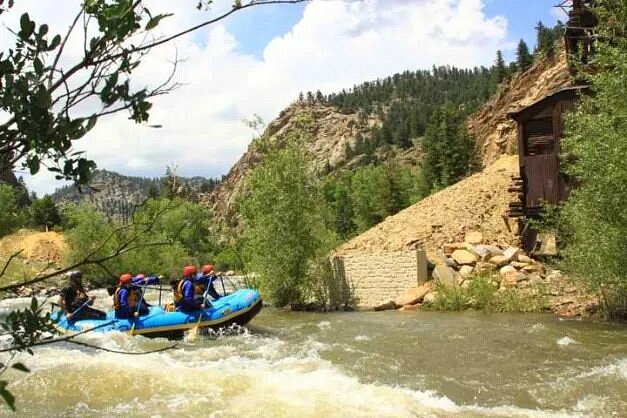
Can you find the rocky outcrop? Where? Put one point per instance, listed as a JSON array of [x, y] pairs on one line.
[[328, 133], [494, 132]]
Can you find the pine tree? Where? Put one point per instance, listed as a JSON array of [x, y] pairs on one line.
[[524, 58], [499, 69]]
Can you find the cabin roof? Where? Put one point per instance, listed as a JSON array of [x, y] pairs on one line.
[[566, 93]]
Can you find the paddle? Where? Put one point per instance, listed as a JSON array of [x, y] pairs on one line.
[[70, 316], [193, 333], [136, 313]]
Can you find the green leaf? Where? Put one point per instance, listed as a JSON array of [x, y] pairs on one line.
[[21, 367], [33, 164], [54, 43], [39, 66], [8, 397], [25, 24], [153, 22], [33, 304], [91, 122]]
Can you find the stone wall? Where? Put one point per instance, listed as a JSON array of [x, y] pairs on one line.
[[370, 278]]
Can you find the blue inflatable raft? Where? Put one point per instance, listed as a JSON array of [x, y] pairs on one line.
[[237, 308]]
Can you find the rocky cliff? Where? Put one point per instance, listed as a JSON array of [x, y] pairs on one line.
[[493, 130], [329, 132]]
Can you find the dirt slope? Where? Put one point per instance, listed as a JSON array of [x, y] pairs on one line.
[[476, 203]]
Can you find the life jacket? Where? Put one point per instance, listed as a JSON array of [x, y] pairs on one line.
[[199, 289], [133, 298], [178, 291]]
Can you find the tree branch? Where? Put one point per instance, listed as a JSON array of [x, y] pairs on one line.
[[6, 265]]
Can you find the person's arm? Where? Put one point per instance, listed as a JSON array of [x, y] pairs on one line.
[[62, 302], [125, 310]]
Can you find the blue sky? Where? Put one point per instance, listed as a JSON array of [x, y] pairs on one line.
[[259, 59]]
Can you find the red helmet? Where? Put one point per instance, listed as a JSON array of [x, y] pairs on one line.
[[207, 268], [189, 270], [125, 279]]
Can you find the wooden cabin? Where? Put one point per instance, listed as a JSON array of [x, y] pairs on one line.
[[540, 128]]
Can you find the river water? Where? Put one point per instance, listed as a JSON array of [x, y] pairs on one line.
[[389, 364]]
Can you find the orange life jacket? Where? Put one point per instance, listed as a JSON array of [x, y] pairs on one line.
[[178, 291]]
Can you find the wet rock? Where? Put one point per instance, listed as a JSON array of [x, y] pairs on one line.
[[464, 257], [499, 260], [474, 237], [414, 295], [445, 275], [387, 306], [466, 271]]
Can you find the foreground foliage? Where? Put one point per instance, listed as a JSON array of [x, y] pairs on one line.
[[593, 222]]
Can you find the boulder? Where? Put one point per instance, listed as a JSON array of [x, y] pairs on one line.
[[474, 237], [535, 267], [437, 258], [483, 267], [512, 279], [445, 275], [507, 271], [518, 264], [548, 245], [463, 257], [387, 306], [465, 271], [414, 295], [430, 297], [524, 259], [511, 253], [448, 249], [499, 260], [482, 254], [493, 249]]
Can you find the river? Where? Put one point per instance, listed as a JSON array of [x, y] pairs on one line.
[[389, 364]]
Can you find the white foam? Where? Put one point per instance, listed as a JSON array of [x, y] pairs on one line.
[[324, 324], [362, 338], [564, 341]]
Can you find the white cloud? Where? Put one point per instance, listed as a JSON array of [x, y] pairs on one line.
[[335, 45]]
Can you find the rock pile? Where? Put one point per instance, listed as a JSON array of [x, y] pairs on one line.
[[457, 264]]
